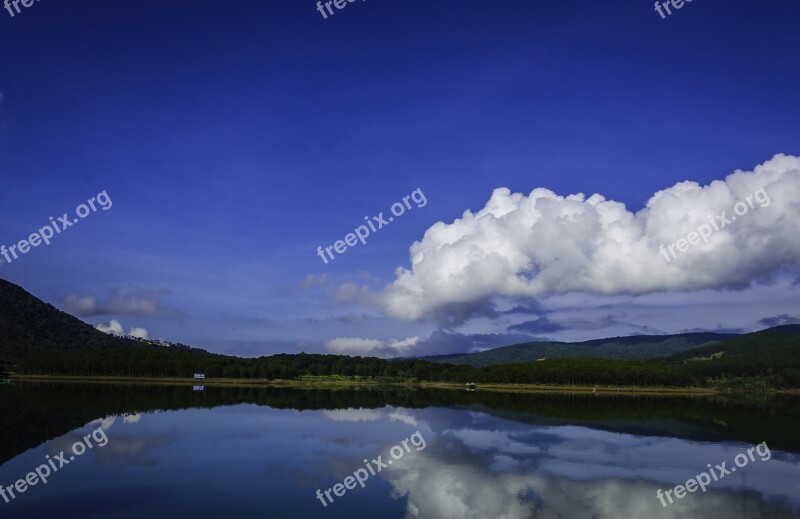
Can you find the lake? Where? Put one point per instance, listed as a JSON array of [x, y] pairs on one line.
[[159, 451]]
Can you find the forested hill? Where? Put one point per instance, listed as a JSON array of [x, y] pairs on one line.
[[30, 326], [637, 347], [772, 342]]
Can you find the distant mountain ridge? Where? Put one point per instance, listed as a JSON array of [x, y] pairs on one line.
[[635, 347]]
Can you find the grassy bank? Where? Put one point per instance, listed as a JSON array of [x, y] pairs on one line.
[[346, 382]]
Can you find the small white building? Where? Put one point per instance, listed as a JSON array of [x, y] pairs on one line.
[[199, 375]]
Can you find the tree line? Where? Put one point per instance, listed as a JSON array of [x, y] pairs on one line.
[[167, 362], [765, 358]]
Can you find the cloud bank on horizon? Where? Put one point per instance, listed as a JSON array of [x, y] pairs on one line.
[[544, 244], [371, 347]]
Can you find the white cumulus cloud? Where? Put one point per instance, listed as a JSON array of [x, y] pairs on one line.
[[543, 244]]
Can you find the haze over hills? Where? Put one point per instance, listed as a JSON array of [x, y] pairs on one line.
[[636, 347]]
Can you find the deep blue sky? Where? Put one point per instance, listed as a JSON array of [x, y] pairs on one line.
[[235, 137]]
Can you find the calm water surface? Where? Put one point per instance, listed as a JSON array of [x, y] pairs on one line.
[[255, 453]]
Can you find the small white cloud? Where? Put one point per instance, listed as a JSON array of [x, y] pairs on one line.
[[115, 328], [404, 344]]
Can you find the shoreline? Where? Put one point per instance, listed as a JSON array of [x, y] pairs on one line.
[[344, 384]]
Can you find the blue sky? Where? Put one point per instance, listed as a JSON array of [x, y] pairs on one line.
[[235, 138]]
